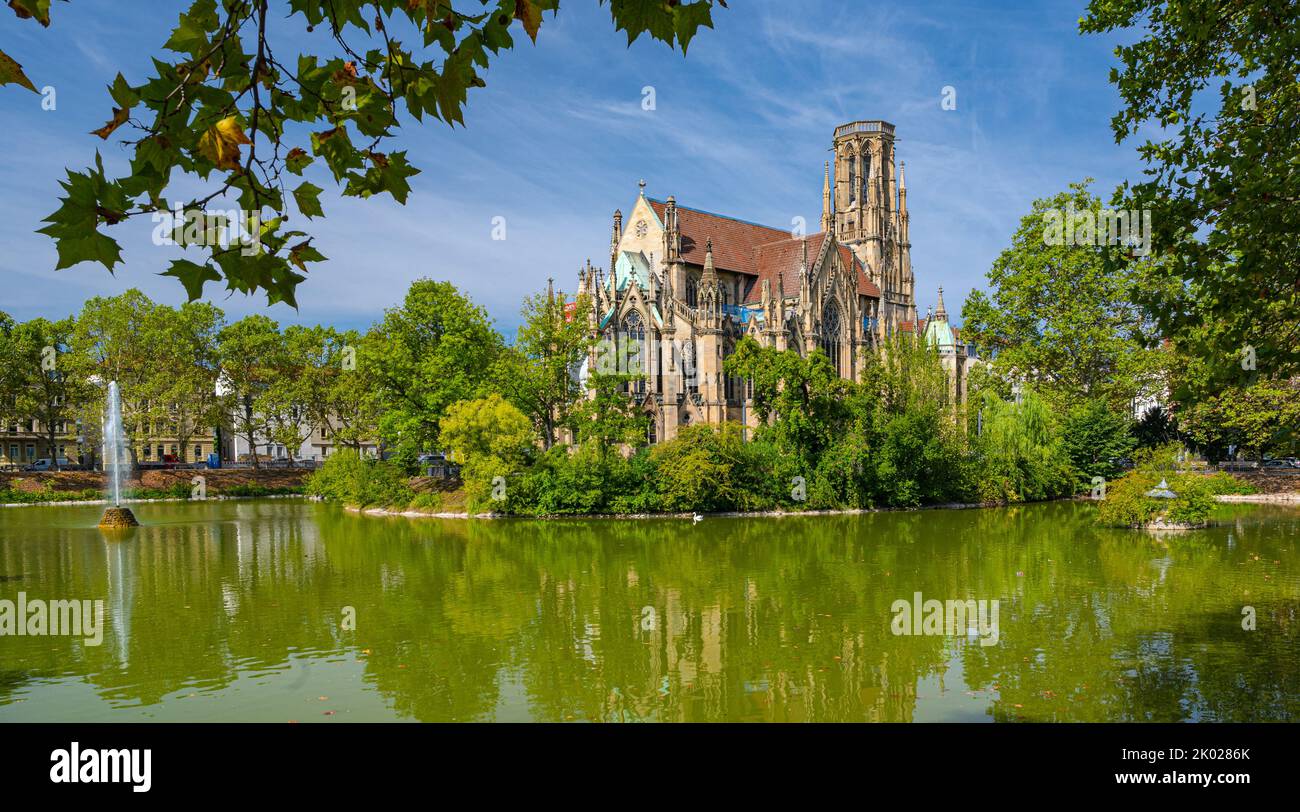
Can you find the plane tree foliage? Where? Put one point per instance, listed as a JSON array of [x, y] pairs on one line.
[[233, 104]]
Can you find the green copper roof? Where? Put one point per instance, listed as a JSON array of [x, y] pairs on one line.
[[631, 266], [939, 334]]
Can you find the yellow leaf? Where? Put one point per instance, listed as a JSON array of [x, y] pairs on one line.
[[119, 118], [220, 144], [11, 73], [530, 15]]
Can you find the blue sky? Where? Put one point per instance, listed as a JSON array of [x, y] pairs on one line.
[[558, 139]]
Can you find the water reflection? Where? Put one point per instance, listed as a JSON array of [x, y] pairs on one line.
[[236, 610]]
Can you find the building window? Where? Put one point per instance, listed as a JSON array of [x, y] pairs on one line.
[[198, 453], [652, 431], [146, 452], [830, 335], [688, 366], [866, 174], [13, 451], [634, 350], [853, 177], [692, 292], [31, 451]]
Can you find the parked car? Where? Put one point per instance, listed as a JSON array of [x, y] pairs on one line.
[[1275, 464], [47, 464]]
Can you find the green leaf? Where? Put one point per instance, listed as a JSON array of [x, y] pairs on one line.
[[192, 276], [306, 196]]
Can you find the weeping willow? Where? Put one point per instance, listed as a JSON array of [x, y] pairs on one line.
[[1018, 450]]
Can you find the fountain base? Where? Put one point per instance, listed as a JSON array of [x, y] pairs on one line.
[[118, 517]]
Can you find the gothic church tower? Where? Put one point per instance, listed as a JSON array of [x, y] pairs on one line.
[[870, 216]]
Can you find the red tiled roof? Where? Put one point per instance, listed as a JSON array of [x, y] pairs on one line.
[[758, 251], [734, 241], [781, 260]]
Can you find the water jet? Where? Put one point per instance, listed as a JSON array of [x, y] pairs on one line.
[[115, 517]]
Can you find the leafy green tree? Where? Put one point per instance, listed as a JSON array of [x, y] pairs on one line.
[[710, 468], [1061, 316], [231, 108], [189, 355], [1255, 420], [121, 338], [335, 391], [1216, 83], [607, 418], [251, 351], [919, 455], [436, 349], [490, 438], [799, 401], [1019, 454], [538, 373], [1094, 437], [44, 383]]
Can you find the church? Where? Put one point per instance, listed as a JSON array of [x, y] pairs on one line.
[[685, 285]]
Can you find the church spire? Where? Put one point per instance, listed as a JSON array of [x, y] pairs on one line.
[[941, 312], [827, 220], [709, 273]]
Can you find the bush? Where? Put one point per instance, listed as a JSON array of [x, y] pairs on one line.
[[1127, 505], [348, 478], [712, 468], [1222, 482]]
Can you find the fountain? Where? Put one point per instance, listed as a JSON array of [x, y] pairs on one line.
[[115, 458]]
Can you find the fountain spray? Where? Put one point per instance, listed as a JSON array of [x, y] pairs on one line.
[[115, 458]]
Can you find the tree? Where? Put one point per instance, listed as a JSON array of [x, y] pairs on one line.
[[1255, 420], [1095, 437], [1019, 456], [538, 373], [490, 438], [120, 338], [189, 354], [436, 349], [251, 350], [607, 418], [9, 377], [1155, 428], [799, 401], [1061, 316], [337, 393], [226, 83], [45, 384], [1222, 174]]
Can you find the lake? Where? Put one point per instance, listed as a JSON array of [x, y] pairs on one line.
[[284, 610]]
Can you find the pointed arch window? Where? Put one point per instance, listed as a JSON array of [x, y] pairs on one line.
[[634, 350], [831, 333], [866, 174], [853, 177], [689, 372], [692, 292]]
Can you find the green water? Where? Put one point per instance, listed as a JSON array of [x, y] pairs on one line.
[[236, 611]]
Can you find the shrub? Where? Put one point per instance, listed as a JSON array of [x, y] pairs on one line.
[[1127, 505], [712, 468], [348, 478], [1222, 482]]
